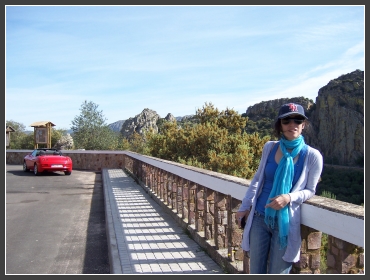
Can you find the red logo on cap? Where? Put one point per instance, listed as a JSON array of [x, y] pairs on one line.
[[293, 107]]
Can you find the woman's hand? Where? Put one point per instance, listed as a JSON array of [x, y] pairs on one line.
[[279, 201], [239, 216]]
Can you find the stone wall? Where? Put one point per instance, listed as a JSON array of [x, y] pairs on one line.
[[82, 160]]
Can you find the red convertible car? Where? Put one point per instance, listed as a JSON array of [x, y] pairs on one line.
[[47, 160]]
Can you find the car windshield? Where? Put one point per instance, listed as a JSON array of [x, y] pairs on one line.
[[48, 152]]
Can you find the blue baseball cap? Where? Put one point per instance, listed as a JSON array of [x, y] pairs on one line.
[[290, 109]]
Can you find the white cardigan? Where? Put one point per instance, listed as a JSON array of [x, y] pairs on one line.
[[304, 189]]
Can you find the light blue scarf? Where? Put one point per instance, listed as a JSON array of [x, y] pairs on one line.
[[283, 181]]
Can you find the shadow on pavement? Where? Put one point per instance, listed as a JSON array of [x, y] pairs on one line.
[[96, 255]]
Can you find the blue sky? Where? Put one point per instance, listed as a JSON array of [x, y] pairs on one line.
[[172, 59]]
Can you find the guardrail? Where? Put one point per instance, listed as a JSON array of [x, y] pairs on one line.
[[205, 203]]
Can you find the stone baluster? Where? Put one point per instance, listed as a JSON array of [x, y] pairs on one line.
[[178, 195], [169, 187], [185, 199], [191, 203], [209, 219], [199, 209], [235, 252], [220, 220]]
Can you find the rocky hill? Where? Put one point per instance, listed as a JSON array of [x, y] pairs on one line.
[[268, 109], [146, 120], [117, 126], [336, 119]]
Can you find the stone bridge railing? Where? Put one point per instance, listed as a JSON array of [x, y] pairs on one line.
[[204, 203]]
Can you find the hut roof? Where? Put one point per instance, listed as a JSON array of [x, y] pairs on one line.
[[42, 124], [9, 129]]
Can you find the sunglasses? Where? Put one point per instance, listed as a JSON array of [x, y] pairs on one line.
[[296, 121]]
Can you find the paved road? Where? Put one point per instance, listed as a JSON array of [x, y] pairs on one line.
[[55, 224]]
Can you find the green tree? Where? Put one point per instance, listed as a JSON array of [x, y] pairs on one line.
[[28, 142], [214, 141], [19, 139], [90, 132], [124, 144], [342, 184], [137, 143]]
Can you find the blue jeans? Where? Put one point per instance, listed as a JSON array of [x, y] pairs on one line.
[[265, 253]]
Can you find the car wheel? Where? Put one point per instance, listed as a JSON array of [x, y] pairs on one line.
[[35, 171], [25, 169], [67, 172]]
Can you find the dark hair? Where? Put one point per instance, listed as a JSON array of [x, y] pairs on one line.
[[278, 131]]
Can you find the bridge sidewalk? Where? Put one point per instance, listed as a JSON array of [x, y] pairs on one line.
[[142, 237]]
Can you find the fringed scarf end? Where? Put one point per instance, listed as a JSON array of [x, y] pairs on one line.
[[283, 242], [270, 221]]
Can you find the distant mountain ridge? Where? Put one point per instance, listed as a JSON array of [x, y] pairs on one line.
[[116, 126]]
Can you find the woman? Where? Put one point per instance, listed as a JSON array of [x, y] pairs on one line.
[[287, 176]]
